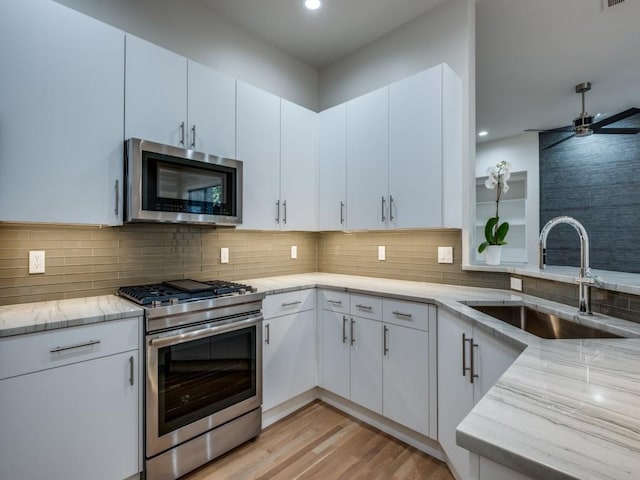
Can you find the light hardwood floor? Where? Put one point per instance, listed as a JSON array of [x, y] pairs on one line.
[[320, 442]]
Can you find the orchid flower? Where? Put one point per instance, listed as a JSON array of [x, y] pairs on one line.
[[494, 231]]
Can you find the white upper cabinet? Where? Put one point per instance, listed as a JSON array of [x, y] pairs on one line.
[[175, 101], [156, 94], [332, 168], [258, 146], [424, 150], [61, 115], [367, 160]]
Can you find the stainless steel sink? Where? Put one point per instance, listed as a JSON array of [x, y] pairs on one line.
[[541, 324]]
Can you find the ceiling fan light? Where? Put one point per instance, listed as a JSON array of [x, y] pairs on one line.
[[583, 131], [312, 4]]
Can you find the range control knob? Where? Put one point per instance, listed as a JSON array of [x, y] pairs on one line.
[[156, 303], [174, 301]]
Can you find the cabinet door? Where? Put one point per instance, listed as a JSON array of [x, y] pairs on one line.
[[332, 168], [61, 115], [299, 132], [289, 357], [367, 160], [415, 150], [211, 111], [366, 363], [335, 358], [155, 94], [455, 391], [492, 358], [71, 423], [258, 146], [405, 377]]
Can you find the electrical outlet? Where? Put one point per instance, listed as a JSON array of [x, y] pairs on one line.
[[224, 255], [445, 254], [382, 254], [36, 261], [294, 251], [516, 284]]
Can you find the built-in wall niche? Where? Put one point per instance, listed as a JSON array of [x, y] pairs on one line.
[[512, 209]]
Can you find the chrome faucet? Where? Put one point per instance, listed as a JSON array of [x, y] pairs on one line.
[[585, 276]]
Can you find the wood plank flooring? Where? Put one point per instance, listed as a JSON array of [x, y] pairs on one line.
[[319, 442]]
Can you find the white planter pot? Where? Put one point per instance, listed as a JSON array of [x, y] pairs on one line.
[[493, 254]]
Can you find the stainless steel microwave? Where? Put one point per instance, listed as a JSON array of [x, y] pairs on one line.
[[173, 185]]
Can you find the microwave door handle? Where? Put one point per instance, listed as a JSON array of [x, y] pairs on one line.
[[203, 332]]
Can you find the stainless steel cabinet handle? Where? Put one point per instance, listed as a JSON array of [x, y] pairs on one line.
[[278, 211], [401, 314], [335, 302], [130, 370], [182, 133], [288, 304], [473, 363], [284, 207], [71, 347], [364, 307], [341, 212], [464, 355], [385, 340], [384, 201], [353, 338], [266, 337], [344, 329], [193, 136], [390, 208], [117, 188]]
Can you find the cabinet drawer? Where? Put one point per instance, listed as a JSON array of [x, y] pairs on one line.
[[334, 301], [290, 302], [366, 306], [42, 350], [406, 314]]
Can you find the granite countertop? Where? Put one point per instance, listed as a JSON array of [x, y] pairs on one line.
[[565, 409], [39, 316]]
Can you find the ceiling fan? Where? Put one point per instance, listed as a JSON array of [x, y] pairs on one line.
[[584, 125]]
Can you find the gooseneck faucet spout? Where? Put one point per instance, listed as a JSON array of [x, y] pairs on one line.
[[585, 277]]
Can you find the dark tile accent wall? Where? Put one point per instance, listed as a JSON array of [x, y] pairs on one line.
[[595, 179]]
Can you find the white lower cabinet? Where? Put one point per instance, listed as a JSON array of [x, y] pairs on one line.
[[470, 361], [366, 363], [78, 420], [289, 358]]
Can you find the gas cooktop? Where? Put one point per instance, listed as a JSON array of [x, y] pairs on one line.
[[179, 291]]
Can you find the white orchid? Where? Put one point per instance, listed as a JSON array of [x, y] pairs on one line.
[[494, 231], [498, 176]]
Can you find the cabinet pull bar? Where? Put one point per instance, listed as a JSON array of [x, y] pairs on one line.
[[182, 133], [284, 217], [71, 347], [390, 208], [401, 314], [464, 355], [130, 370], [353, 338], [383, 205], [266, 340], [365, 307], [335, 302], [288, 304], [385, 341], [278, 211], [344, 329], [341, 213], [471, 351], [193, 136], [117, 189]]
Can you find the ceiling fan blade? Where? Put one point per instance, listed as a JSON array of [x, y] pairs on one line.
[[551, 130], [616, 118], [559, 141], [616, 131]]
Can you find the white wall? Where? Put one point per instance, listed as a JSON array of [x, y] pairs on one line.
[[522, 151], [191, 29]]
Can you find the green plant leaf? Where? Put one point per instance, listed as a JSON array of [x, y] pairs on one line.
[[488, 230], [501, 233], [482, 247]]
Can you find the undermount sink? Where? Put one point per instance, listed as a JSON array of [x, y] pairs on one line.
[[544, 325]]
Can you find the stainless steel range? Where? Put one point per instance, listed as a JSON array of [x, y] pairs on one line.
[[203, 354]]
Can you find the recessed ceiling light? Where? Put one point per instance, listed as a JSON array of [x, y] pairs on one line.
[[312, 4], [483, 133]]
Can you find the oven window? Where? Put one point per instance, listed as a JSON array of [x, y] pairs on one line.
[[205, 376]]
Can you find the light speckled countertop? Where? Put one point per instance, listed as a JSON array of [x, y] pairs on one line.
[[39, 316]]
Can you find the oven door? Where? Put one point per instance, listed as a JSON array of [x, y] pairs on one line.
[[199, 378]]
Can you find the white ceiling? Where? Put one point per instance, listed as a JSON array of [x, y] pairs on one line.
[[530, 53], [321, 37]]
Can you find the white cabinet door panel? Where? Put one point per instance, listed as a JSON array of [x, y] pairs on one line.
[[156, 94], [366, 363], [332, 168], [336, 353]]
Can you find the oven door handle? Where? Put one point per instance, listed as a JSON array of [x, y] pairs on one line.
[[203, 332]]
